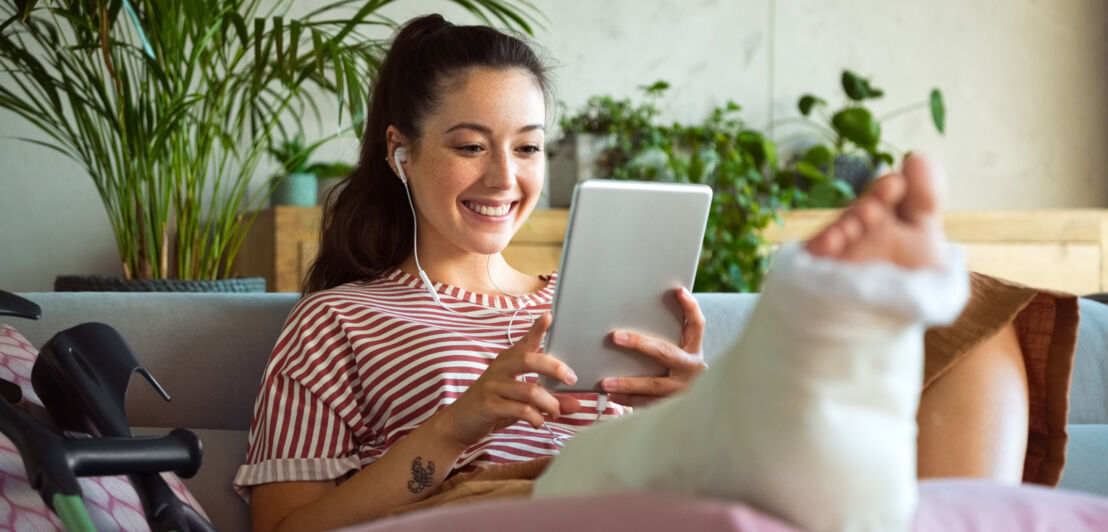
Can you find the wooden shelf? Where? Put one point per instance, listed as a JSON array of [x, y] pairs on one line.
[[280, 246], [1061, 249], [284, 240], [537, 247]]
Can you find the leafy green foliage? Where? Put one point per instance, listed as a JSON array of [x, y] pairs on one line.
[[737, 162], [170, 104], [807, 102], [938, 110], [849, 146], [857, 125], [858, 88], [293, 155], [742, 165]]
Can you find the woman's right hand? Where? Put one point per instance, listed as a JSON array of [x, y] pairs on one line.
[[498, 398]]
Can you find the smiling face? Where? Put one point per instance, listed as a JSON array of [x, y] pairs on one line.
[[477, 169]]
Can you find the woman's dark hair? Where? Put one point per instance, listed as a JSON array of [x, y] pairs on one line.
[[367, 224]]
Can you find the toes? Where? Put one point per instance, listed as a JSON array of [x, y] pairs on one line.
[[871, 212], [851, 224], [925, 180], [828, 243], [889, 189]]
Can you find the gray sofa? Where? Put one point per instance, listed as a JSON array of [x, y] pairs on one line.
[[209, 351]]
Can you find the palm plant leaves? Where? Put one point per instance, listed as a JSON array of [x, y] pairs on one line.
[[170, 104]]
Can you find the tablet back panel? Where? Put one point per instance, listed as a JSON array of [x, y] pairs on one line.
[[628, 246]]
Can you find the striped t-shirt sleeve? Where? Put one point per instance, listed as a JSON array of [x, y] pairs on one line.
[[304, 419]]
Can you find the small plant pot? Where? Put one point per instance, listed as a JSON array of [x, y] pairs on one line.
[[856, 171], [295, 189], [575, 159]]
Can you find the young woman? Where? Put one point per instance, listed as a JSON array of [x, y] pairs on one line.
[[413, 353]]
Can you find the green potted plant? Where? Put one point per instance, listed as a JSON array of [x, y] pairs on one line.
[[170, 104], [297, 183], [300, 183], [849, 149], [737, 162]]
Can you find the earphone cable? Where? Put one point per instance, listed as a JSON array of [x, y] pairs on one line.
[[488, 272], [557, 439]]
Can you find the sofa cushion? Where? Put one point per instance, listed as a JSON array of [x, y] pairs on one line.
[[1086, 459], [1088, 403], [112, 502], [725, 315]]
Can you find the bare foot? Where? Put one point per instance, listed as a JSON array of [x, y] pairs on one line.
[[897, 220]]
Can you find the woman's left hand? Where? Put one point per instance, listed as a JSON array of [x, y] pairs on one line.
[[685, 361]]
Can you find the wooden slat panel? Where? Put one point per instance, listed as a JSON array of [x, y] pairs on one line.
[[1062, 249], [533, 259], [255, 256], [1067, 267], [298, 230], [799, 225], [537, 248], [543, 227], [1053, 225]]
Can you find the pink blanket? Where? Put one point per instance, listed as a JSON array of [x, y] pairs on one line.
[[947, 505]]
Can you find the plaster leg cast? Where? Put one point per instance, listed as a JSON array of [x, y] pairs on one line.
[[810, 416]]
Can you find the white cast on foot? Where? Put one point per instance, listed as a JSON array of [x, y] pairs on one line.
[[810, 416]]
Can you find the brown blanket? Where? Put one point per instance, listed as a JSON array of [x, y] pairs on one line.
[[1045, 322], [1046, 325], [497, 482]]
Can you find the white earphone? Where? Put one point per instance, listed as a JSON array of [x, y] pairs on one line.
[[400, 156]]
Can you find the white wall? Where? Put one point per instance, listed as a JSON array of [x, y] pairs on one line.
[[1026, 83]]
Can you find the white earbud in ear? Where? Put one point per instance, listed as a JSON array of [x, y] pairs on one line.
[[400, 156]]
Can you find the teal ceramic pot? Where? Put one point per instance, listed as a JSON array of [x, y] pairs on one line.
[[295, 189]]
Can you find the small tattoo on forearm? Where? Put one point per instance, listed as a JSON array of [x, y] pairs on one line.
[[422, 477]]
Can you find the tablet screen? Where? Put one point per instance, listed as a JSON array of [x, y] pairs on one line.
[[629, 245]]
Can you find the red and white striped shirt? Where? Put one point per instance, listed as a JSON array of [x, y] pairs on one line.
[[359, 366]]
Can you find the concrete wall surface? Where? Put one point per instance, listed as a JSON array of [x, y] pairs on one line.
[[1026, 85]]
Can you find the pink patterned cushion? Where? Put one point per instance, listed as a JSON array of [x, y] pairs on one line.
[[111, 501]]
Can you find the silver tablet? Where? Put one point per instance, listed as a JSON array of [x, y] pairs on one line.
[[628, 246]]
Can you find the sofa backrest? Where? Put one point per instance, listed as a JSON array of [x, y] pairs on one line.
[[1089, 386], [207, 350]]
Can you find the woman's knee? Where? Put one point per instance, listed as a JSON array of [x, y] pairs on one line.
[[973, 418]]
